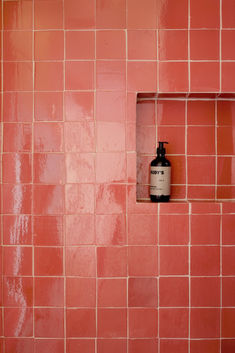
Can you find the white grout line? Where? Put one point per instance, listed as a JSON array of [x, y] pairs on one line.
[[1, 177], [221, 273]]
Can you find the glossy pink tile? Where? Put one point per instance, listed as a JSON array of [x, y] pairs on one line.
[[180, 317], [48, 137], [79, 136], [137, 255], [80, 229], [111, 106], [49, 322], [80, 168], [110, 44], [110, 199], [23, 17], [111, 261], [173, 292], [48, 230], [196, 165], [142, 44], [48, 45], [79, 198], [17, 137], [86, 287], [17, 45], [111, 14], [49, 345], [81, 323], [79, 15], [201, 112], [228, 7], [17, 261], [49, 168], [207, 140], [80, 45], [18, 106], [110, 75], [80, 261], [175, 136], [17, 199], [42, 14], [204, 45], [110, 137], [110, 229], [19, 76], [79, 106], [174, 260], [173, 44], [48, 199], [48, 106], [48, 261], [49, 76], [136, 345], [18, 322], [115, 163], [17, 291], [205, 322], [141, 76], [173, 77], [86, 345], [112, 292], [16, 168], [205, 76], [116, 345], [20, 345], [112, 323], [228, 69], [166, 14], [49, 291], [17, 230], [226, 172], [143, 322], [135, 18], [79, 75], [205, 14], [205, 261]]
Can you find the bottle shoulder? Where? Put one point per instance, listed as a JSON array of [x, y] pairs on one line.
[[160, 162]]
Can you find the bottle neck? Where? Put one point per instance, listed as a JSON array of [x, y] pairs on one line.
[[161, 155]]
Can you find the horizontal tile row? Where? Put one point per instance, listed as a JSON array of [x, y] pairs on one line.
[[118, 292], [118, 261], [173, 76], [111, 229], [110, 44], [112, 323], [121, 14]]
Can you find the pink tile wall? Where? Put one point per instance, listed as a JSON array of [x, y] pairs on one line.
[[84, 268]]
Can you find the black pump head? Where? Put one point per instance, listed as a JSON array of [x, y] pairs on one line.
[[161, 149]]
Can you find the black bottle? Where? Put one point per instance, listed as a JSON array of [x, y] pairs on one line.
[[160, 176]]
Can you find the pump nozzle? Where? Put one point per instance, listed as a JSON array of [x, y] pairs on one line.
[[161, 150]]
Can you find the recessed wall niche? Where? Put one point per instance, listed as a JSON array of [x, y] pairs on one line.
[[200, 129]]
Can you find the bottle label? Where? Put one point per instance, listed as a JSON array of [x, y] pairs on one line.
[[160, 181]]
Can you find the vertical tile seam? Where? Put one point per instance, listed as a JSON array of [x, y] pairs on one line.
[[94, 215], [220, 48], [221, 274], [32, 170], [126, 188], [216, 150], [65, 181], [2, 311], [189, 276]]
